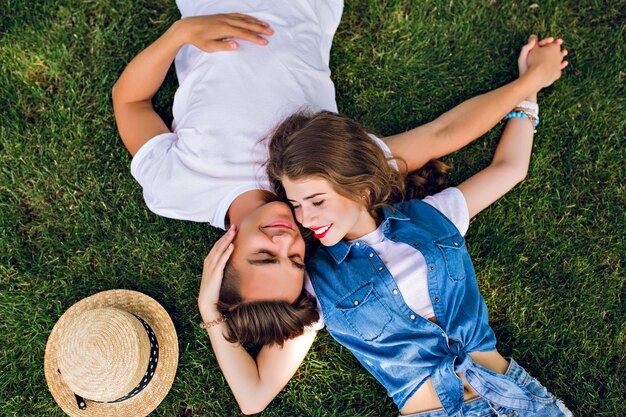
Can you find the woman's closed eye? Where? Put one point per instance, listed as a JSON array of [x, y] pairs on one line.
[[314, 203]]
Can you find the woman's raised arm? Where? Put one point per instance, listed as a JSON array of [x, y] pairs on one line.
[[136, 119], [512, 157], [469, 120]]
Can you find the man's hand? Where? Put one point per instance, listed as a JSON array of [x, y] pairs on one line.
[[213, 273], [215, 33]]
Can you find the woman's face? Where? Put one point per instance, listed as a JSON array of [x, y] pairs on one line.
[[269, 254], [330, 216]]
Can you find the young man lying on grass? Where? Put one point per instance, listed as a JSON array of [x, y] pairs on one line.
[[241, 70]]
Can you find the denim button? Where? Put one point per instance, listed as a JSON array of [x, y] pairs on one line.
[[380, 268], [443, 334], [395, 292], [356, 302], [358, 244], [412, 316], [436, 299], [371, 255], [431, 267], [455, 244]]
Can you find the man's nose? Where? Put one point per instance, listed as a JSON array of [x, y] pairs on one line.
[[283, 238]]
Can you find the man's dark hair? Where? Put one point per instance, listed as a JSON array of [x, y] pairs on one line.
[[262, 322]]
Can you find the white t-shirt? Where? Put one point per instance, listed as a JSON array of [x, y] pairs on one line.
[[406, 264], [228, 102]]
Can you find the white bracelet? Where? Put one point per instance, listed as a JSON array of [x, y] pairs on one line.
[[529, 105]]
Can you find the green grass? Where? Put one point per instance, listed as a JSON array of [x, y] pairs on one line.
[[549, 255]]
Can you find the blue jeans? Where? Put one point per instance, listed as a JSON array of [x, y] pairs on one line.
[[547, 404]]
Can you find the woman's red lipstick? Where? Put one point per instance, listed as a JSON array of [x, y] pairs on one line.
[[325, 229]]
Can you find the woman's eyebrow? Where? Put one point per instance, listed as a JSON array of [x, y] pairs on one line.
[[307, 198], [313, 196]]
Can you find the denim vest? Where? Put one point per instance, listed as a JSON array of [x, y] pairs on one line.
[[365, 312]]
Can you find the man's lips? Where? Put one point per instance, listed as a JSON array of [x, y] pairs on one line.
[[280, 223], [320, 232]]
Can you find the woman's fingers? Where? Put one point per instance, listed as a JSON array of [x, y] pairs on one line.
[[531, 43], [522, 63], [546, 41]]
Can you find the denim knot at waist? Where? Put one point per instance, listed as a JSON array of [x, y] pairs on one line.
[[496, 388]]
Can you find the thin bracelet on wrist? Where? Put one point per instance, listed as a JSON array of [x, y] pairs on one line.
[[212, 323]]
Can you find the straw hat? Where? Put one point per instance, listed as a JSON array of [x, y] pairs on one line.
[[112, 354]]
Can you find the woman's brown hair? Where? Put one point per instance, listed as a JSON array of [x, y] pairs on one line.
[[338, 149]]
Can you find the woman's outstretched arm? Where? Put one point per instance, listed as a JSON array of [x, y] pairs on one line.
[[136, 119], [472, 118], [254, 382], [510, 162]]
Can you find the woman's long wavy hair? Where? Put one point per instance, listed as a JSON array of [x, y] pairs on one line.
[[338, 149]]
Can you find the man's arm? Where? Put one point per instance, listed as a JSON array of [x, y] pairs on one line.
[[136, 119], [254, 383], [472, 118]]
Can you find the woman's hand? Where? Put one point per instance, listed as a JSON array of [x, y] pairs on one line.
[[522, 61], [213, 273], [545, 57], [215, 33]]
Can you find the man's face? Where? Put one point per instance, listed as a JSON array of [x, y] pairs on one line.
[[269, 254]]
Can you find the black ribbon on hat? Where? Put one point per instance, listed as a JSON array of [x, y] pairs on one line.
[[152, 364]]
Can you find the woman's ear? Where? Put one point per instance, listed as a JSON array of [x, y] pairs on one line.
[[365, 194]]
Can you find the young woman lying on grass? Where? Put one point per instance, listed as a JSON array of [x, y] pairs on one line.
[[434, 351], [394, 279], [240, 74]]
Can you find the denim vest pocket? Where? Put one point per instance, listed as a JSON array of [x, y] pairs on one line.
[[452, 249], [365, 312]]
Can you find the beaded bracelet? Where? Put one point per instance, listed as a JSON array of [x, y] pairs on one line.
[[209, 324], [523, 115]]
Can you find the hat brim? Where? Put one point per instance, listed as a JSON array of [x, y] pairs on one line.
[[151, 396]]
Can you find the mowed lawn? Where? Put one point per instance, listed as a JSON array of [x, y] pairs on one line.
[[549, 256]]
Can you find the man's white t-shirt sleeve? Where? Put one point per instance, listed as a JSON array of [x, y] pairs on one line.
[[146, 162], [451, 203], [173, 189]]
